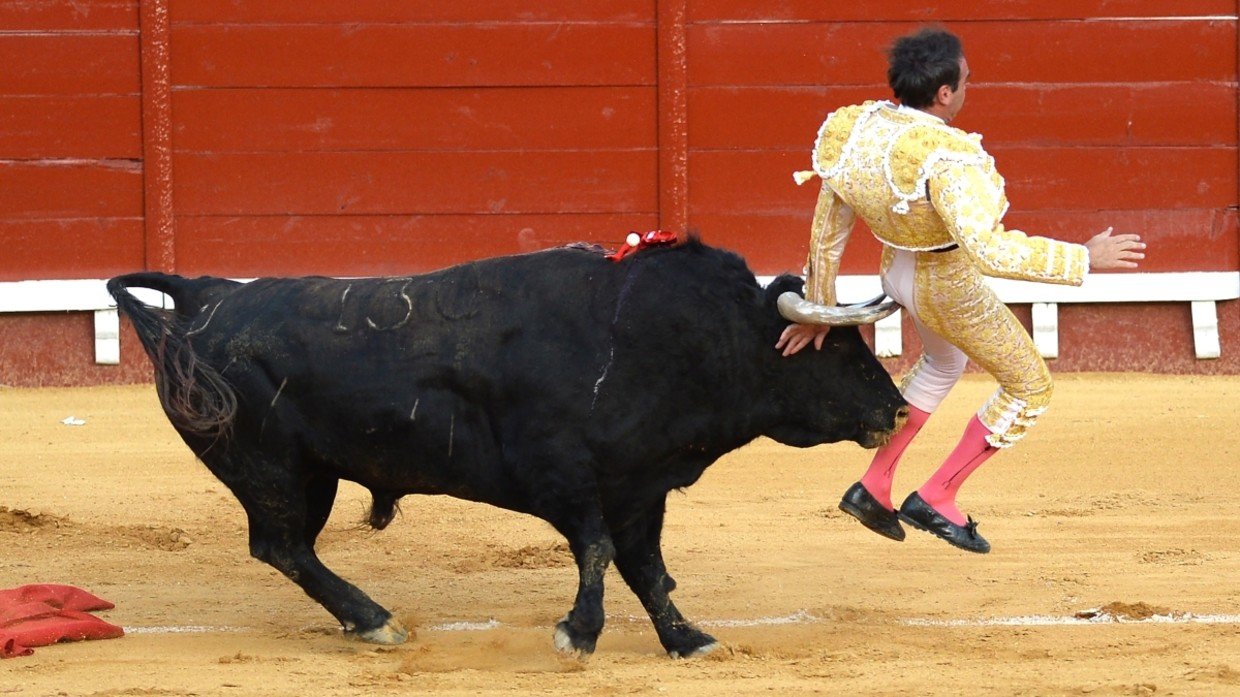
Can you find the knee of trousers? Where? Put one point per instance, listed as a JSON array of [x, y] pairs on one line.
[[929, 381], [1010, 414]]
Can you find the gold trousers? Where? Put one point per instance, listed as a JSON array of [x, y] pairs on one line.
[[952, 299]]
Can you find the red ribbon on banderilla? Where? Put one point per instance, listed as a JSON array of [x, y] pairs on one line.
[[637, 241]]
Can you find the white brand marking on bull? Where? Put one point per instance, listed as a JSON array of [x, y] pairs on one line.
[[211, 316], [413, 415], [262, 427], [340, 323], [278, 391], [408, 313], [598, 384]]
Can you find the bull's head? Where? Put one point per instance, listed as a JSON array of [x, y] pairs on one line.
[[841, 392]]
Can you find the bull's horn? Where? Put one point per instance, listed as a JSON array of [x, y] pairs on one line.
[[797, 309]]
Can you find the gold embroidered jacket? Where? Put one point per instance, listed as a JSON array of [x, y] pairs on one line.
[[920, 185]]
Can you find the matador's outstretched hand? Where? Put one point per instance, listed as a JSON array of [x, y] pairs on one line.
[[1118, 252]]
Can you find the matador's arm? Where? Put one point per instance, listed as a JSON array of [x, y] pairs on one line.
[[833, 222], [971, 201]]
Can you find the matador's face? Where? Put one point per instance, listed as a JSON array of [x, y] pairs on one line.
[[955, 98]]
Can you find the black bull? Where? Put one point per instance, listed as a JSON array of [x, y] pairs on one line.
[[558, 384]]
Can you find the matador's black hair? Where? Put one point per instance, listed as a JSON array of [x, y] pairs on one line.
[[918, 64]]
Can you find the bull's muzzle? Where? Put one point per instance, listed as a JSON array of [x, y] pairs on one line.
[[797, 309]]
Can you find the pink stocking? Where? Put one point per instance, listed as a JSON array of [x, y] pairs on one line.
[[940, 490], [877, 479]]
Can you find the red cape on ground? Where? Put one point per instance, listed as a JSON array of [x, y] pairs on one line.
[[42, 614]]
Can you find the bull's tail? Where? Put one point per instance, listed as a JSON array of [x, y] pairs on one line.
[[195, 396]]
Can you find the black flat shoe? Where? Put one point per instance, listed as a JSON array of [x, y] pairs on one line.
[[916, 512], [861, 504]]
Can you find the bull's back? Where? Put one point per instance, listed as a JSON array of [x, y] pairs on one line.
[[371, 373], [465, 320]]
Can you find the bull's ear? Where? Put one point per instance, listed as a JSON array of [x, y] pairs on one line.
[[783, 284]]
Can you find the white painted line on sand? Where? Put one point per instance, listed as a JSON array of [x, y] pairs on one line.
[[1053, 620], [465, 626], [798, 617], [182, 629]]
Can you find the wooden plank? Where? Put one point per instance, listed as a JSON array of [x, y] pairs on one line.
[[1068, 52], [69, 64], [1172, 177], [1192, 113], [1174, 112], [1037, 178], [948, 10], [91, 127], [70, 189], [76, 248], [386, 11], [230, 120], [246, 247], [416, 182], [1182, 113], [1120, 51], [397, 55], [59, 15]]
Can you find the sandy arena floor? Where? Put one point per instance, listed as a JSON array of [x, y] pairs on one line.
[[1125, 497]]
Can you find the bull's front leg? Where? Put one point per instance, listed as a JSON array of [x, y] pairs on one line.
[[639, 559], [593, 550]]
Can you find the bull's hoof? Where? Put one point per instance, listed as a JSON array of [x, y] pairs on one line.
[[689, 643], [571, 643], [390, 633], [695, 653]]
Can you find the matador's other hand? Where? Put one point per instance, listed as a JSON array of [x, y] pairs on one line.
[[798, 336], [1114, 252]]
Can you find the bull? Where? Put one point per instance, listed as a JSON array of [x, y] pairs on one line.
[[559, 384]]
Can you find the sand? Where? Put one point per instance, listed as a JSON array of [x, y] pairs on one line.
[[1115, 570]]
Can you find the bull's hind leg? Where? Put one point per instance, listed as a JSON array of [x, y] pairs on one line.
[[639, 559], [285, 514], [320, 495]]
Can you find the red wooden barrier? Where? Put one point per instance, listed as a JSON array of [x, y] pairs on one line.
[[248, 137]]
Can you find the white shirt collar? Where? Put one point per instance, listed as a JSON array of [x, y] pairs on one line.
[[916, 113]]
